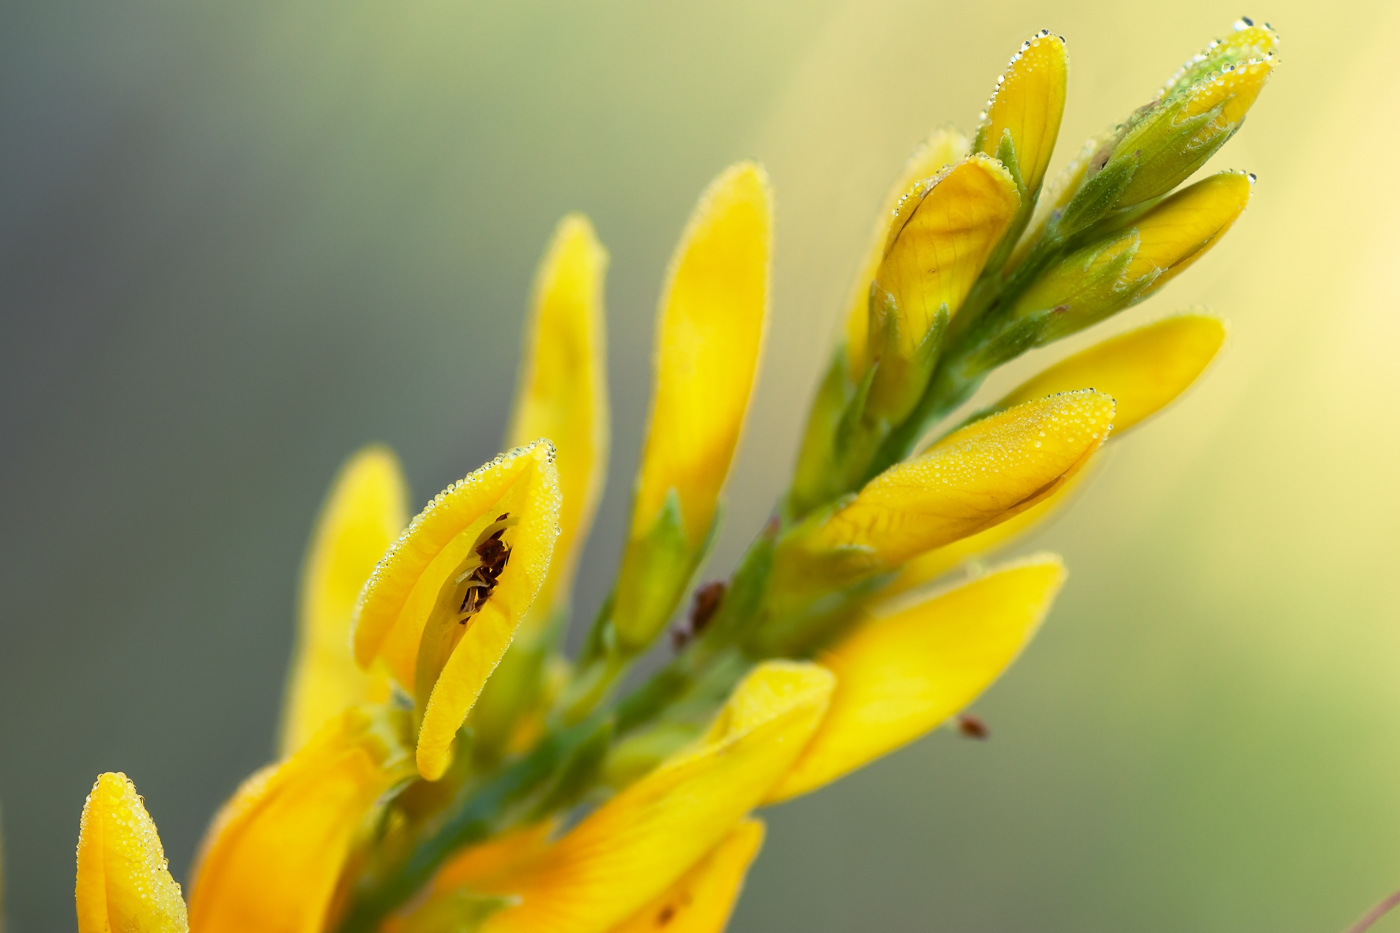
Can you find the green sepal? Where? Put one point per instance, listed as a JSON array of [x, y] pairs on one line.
[[655, 571], [812, 476], [898, 381], [1099, 194], [1167, 150], [747, 589]]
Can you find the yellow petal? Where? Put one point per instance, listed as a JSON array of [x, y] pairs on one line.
[[1144, 370], [363, 514], [933, 564], [1027, 106], [635, 846], [712, 319], [273, 854], [942, 148], [702, 899], [124, 883], [942, 233], [1182, 228], [409, 611], [900, 675], [563, 389], [503, 855], [972, 479]]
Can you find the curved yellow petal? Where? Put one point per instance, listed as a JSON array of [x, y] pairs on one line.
[[970, 480], [709, 333], [415, 612], [1144, 370], [272, 856], [634, 847], [702, 899], [1027, 106], [1186, 225], [363, 514], [933, 564], [942, 148], [124, 883], [563, 392], [900, 675], [942, 234]]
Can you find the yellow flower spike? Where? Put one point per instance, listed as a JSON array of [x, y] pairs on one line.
[[1105, 277], [710, 330], [703, 898], [563, 392], [1026, 109], [124, 883], [271, 859], [363, 514], [942, 148], [941, 235], [634, 847], [1143, 370], [431, 609], [972, 479], [900, 675]]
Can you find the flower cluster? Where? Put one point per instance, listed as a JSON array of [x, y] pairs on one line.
[[445, 767]]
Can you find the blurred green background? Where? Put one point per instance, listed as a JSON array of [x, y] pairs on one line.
[[239, 240]]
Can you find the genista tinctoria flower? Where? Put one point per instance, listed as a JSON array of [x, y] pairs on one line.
[[444, 767]]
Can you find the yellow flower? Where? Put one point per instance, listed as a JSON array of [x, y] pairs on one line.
[[1143, 370], [272, 857], [710, 328], [273, 854], [1022, 119], [562, 396], [124, 880], [901, 673], [975, 478], [363, 514], [942, 148], [563, 392], [441, 608]]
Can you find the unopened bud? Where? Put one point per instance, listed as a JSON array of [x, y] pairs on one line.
[[1120, 270]]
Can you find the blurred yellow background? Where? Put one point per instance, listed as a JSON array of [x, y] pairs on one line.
[[237, 241]]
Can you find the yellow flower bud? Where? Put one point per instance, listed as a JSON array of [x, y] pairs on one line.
[[710, 330], [1122, 269], [943, 232], [124, 880], [1022, 119]]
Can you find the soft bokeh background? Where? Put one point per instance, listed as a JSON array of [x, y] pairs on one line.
[[239, 240]]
